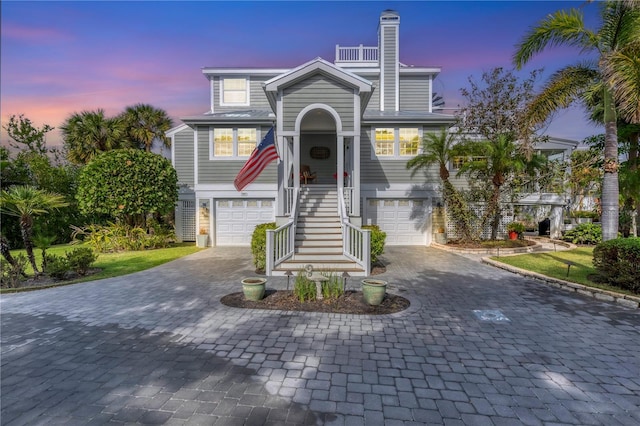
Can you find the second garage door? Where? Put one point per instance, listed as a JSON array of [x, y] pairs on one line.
[[236, 219], [404, 221]]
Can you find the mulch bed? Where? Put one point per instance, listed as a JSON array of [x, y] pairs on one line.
[[490, 244], [351, 302]]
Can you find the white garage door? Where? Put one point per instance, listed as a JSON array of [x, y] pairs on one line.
[[236, 219], [404, 221]]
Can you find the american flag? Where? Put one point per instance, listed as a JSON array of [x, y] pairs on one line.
[[260, 158]]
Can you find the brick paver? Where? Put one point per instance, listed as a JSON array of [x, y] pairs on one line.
[[158, 347]]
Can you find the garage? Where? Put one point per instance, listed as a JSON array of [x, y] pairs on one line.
[[404, 220], [237, 218]]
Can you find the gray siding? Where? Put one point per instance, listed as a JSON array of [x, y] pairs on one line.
[[257, 96], [318, 89], [183, 156], [385, 172], [225, 171], [414, 93], [374, 102], [390, 60]]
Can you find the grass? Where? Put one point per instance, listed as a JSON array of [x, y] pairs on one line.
[[552, 264], [115, 264]]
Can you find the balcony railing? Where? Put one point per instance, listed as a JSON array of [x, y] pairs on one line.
[[357, 55]]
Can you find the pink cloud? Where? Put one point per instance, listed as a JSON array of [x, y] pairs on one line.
[[31, 34]]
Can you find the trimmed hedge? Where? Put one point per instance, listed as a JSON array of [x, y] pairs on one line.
[[378, 238], [618, 262], [259, 245]]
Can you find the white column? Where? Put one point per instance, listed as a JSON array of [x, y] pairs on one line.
[[282, 176], [555, 230], [340, 173], [355, 181], [296, 161]]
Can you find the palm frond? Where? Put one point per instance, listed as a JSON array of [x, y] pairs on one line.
[[562, 89], [559, 28], [622, 73]]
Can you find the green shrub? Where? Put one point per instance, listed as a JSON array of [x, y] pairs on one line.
[[378, 237], [56, 266], [115, 237], [80, 259], [304, 289], [333, 288], [11, 276], [259, 244], [618, 262], [585, 233]]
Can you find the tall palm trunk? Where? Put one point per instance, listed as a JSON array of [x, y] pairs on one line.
[[26, 229], [610, 189], [4, 250]]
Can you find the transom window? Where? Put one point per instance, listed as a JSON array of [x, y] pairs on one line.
[[234, 91], [232, 142], [392, 142]]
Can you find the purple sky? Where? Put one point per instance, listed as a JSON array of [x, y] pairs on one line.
[[64, 57]]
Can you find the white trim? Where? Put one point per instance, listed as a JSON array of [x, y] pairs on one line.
[[212, 89], [171, 132], [195, 157], [325, 107], [430, 94], [397, 71], [242, 71], [233, 104]]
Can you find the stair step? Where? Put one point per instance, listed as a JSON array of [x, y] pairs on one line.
[[311, 225], [323, 250], [336, 233], [318, 239], [319, 219]]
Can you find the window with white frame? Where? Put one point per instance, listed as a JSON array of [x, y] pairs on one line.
[[230, 143], [396, 142], [234, 91]]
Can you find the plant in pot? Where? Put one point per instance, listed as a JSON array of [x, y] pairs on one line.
[[373, 291], [440, 236], [515, 230], [254, 288], [202, 238]]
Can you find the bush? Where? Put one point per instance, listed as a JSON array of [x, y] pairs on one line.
[[259, 245], [516, 227], [118, 237], [81, 259], [618, 262], [10, 276], [585, 233], [304, 289], [378, 237], [56, 266]]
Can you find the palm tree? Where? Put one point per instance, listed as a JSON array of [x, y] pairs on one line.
[[27, 202], [439, 149], [88, 133], [497, 160], [145, 124], [616, 39]]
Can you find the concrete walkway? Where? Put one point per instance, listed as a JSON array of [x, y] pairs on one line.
[[158, 347]]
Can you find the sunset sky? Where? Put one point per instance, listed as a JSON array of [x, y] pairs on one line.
[[58, 58]]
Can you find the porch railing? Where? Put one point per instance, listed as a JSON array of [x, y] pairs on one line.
[[357, 54], [356, 242], [281, 241], [349, 200]]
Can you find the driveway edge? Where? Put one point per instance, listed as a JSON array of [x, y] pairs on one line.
[[604, 295]]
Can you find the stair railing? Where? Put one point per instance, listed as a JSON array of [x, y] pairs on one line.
[[280, 241], [356, 242]]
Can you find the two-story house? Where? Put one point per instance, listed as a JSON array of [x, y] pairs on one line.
[[344, 132]]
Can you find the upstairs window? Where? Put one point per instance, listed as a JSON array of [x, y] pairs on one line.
[[223, 142], [385, 142], [247, 141], [409, 141], [234, 91], [232, 143], [399, 142]]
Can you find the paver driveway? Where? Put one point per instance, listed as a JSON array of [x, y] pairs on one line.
[[158, 347]]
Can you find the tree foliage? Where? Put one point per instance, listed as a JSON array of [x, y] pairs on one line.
[[146, 124], [26, 135], [27, 202], [127, 185]]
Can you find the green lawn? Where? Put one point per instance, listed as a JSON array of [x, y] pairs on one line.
[[116, 264], [552, 264]]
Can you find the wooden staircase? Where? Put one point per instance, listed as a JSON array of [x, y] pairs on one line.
[[318, 240]]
